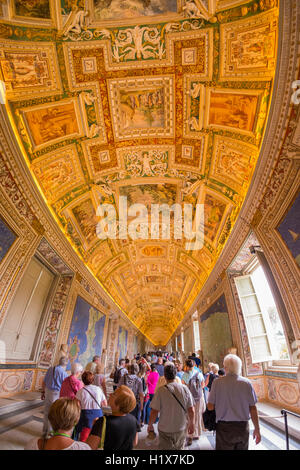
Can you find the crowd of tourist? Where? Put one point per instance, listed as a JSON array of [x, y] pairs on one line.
[[79, 414]]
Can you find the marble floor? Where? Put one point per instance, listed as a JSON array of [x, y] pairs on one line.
[[18, 427]]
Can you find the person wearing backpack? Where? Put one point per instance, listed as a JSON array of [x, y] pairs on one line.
[[118, 373], [195, 382], [132, 381]]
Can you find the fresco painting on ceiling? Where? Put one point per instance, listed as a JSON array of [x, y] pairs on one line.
[[289, 229], [148, 194], [58, 172], [142, 109], [215, 332], [233, 110], [213, 213], [33, 8], [25, 70], [233, 162], [253, 49], [118, 9], [122, 342], [86, 333], [85, 216], [7, 239], [50, 123]]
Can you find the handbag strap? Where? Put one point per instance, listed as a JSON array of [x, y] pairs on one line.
[[103, 433], [92, 396], [176, 399]]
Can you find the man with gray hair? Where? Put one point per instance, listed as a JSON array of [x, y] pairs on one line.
[[91, 366], [175, 406], [51, 388], [234, 401]]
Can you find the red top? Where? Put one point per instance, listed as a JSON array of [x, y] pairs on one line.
[[70, 387]]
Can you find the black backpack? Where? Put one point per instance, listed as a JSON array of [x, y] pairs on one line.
[[117, 375]]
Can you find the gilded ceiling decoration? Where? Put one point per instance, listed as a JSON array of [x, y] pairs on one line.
[[158, 101]]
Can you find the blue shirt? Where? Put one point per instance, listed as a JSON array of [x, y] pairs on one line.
[[188, 375], [160, 369], [232, 395], [180, 374], [53, 381]]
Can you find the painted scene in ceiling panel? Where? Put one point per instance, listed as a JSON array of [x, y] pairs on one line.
[[85, 216], [150, 194], [48, 124], [32, 8], [118, 9], [233, 110], [142, 109]]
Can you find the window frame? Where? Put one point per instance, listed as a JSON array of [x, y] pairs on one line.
[[255, 358], [272, 363]]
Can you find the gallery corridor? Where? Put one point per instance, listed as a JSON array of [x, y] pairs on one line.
[[149, 210]]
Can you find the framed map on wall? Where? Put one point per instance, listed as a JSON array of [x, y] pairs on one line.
[[289, 229], [215, 332], [7, 239], [86, 333]]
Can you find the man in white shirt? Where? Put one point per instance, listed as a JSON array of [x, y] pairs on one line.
[[175, 406]]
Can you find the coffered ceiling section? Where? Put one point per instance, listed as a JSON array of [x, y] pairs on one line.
[[159, 101]]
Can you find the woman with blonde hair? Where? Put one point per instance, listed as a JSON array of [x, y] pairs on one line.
[[99, 379], [63, 415], [118, 431], [213, 374]]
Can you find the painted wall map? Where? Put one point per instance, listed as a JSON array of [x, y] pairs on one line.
[[122, 342], [215, 332], [86, 333], [7, 238], [289, 229]]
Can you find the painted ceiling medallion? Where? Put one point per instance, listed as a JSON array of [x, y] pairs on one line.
[[163, 102]]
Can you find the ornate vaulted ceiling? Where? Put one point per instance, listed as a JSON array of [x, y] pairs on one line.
[[157, 101]]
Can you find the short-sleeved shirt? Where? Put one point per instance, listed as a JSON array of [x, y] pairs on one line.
[[54, 378], [232, 396], [180, 374], [188, 375], [70, 387], [91, 367], [86, 399], [134, 383], [120, 432], [172, 417]]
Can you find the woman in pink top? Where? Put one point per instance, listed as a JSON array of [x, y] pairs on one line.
[[152, 380], [72, 384]]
